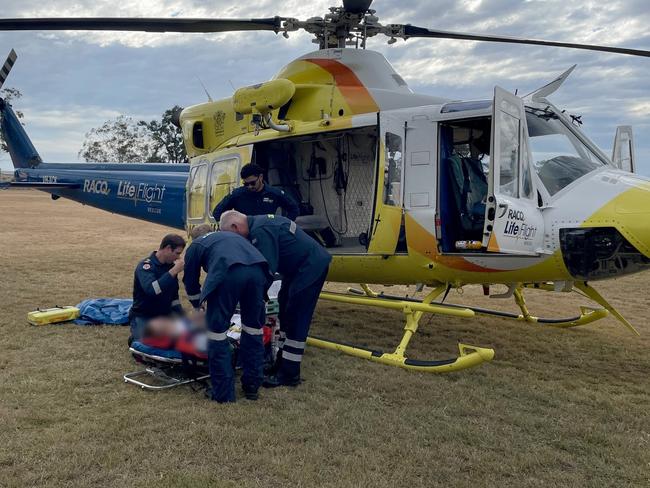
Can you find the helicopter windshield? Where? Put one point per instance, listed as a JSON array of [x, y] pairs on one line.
[[559, 157]]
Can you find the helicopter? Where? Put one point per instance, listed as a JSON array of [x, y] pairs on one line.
[[401, 188]]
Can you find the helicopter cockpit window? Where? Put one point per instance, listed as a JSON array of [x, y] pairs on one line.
[[509, 152], [197, 135], [526, 180], [393, 170], [559, 157]]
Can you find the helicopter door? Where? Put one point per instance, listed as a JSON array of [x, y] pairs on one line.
[[224, 177], [196, 192], [513, 220], [387, 218], [420, 170]]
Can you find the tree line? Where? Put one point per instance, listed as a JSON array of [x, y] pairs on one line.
[[124, 140]]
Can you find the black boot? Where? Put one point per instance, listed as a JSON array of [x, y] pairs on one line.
[[275, 367], [275, 380], [250, 393]]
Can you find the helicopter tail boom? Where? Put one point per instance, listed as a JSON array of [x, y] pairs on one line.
[[22, 151]]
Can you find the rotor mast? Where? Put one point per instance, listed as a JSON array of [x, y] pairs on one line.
[[349, 25]]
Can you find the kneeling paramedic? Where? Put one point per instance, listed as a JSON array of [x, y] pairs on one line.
[[303, 264], [155, 285], [236, 272]]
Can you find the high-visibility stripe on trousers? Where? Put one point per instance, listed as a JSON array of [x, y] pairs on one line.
[[297, 311]]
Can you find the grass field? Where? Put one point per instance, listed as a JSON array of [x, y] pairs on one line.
[[554, 408]]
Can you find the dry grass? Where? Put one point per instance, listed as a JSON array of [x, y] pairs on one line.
[[555, 407]]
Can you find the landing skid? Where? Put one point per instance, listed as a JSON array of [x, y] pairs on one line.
[[413, 310], [587, 314], [469, 356]]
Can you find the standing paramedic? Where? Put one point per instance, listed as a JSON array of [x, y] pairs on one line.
[[256, 197], [303, 264], [236, 273], [155, 285]]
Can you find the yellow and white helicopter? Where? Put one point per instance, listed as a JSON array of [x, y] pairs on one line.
[[401, 188]]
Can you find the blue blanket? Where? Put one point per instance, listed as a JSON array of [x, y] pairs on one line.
[[108, 311]]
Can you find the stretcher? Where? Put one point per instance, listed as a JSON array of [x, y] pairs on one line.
[[165, 368]]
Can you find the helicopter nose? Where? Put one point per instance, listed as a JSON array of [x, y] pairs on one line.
[[615, 240], [632, 214]]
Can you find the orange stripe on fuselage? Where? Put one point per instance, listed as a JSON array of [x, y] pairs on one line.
[[353, 91], [424, 243]]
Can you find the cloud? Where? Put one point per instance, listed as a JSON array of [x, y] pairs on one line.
[[77, 74]]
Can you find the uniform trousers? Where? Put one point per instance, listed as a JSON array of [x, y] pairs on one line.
[[296, 311], [243, 284]]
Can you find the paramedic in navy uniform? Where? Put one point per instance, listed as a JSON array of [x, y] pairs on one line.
[[155, 285], [256, 197], [303, 264], [236, 272]]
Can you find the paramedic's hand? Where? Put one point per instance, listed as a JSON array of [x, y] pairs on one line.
[[179, 264]]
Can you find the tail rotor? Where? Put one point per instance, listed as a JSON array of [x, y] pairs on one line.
[[6, 68]]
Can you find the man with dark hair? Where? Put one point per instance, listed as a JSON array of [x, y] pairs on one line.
[[256, 197], [236, 273], [303, 264], [155, 285]]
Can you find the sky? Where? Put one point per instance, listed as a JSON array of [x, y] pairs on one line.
[[74, 81]]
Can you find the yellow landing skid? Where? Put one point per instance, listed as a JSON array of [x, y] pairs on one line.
[[587, 314], [469, 356]]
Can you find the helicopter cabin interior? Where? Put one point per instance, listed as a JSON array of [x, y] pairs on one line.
[[332, 176], [463, 175]]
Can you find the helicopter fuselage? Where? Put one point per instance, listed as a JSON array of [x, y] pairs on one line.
[[402, 188]]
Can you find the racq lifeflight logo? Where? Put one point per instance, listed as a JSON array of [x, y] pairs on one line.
[[516, 226], [140, 192], [98, 187]]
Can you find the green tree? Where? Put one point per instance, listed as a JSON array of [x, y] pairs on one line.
[[120, 141], [167, 138], [9, 94], [123, 140]]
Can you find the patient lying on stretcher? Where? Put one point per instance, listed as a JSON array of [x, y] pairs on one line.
[[186, 335]]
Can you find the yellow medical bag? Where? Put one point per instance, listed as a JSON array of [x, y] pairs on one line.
[[52, 315]]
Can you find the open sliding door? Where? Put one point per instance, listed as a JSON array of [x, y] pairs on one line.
[[387, 218]]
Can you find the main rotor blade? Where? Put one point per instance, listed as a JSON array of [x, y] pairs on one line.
[[413, 31], [145, 25]]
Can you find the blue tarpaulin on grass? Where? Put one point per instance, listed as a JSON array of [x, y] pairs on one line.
[[108, 311]]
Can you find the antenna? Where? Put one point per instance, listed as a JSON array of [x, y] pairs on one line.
[[205, 89]]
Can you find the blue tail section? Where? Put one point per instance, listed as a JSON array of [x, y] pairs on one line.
[[22, 151], [151, 192]]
